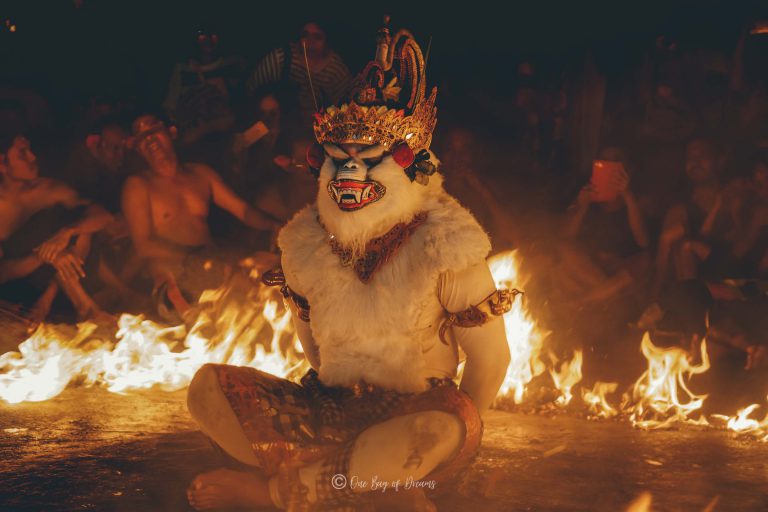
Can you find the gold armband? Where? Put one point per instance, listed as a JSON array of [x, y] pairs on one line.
[[276, 277], [496, 304]]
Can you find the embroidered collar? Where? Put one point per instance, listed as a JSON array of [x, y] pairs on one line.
[[378, 251]]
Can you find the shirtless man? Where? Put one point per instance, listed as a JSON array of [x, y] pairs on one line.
[[167, 207], [22, 195]]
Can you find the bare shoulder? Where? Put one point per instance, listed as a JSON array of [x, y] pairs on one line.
[[56, 191], [202, 171], [135, 185]]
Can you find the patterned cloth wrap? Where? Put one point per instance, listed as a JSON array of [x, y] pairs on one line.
[[291, 424]]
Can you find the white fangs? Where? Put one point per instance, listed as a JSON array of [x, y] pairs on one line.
[[352, 194], [356, 193]]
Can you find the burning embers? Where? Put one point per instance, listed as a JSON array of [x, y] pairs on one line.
[[354, 194]]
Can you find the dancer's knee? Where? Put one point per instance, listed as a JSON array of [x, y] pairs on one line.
[[204, 384], [437, 433]]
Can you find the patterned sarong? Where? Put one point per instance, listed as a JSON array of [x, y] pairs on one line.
[[296, 424]]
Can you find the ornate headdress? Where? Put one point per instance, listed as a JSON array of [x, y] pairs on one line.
[[387, 104]]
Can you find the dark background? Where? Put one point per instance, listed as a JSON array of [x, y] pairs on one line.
[[69, 50]]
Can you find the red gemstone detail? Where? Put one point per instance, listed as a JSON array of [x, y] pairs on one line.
[[402, 154]]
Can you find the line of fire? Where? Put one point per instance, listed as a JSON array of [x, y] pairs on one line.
[[383, 258]]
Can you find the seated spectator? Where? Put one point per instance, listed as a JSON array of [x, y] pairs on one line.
[[699, 231], [466, 169], [286, 66], [97, 166], [201, 90], [45, 230], [608, 236], [267, 146], [750, 249], [291, 186], [167, 207]]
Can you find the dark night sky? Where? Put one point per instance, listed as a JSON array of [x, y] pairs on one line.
[[123, 47]]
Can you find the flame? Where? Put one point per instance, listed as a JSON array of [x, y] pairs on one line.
[[524, 339], [642, 503], [741, 423], [566, 377], [233, 326], [247, 325], [596, 399], [661, 396]]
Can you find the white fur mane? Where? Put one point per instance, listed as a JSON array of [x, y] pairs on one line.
[[378, 331], [402, 200]]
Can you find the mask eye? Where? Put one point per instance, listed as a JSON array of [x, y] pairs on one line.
[[339, 161], [370, 162]]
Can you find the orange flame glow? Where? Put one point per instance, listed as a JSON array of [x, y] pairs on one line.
[[596, 399], [661, 396], [144, 354], [524, 339]]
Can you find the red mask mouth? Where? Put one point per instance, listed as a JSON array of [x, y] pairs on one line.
[[352, 195]]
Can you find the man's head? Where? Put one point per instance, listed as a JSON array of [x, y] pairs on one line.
[[314, 37], [108, 146], [700, 161], [17, 161], [153, 140], [207, 42]]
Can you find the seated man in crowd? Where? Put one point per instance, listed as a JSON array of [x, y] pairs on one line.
[[97, 166], [45, 231], [287, 66], [166, 208], [609, 239], [700, 233]]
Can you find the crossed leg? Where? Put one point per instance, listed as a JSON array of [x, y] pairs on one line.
[[405, 447]]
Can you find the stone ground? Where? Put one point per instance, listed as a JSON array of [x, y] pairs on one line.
[[92, 450]]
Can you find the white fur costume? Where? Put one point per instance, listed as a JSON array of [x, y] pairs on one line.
[[384, 332]]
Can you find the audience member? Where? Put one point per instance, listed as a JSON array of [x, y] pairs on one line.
[[45, 230], [167, 207], [286, 66]]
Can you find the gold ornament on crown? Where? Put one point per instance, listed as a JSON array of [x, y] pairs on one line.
[[375, 112]]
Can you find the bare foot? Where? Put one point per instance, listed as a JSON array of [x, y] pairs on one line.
[[413, 500], [222, 488]]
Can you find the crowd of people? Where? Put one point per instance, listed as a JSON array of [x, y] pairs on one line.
[[637, 196], [143, 215]]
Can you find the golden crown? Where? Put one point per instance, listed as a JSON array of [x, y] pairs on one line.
[[374, 112]]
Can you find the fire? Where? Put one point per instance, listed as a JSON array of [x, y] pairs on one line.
[[741, 423], [245, 324], [566, 377], [661, 397], [525, 340], [596, 399], [642, 503], [248, 328]]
